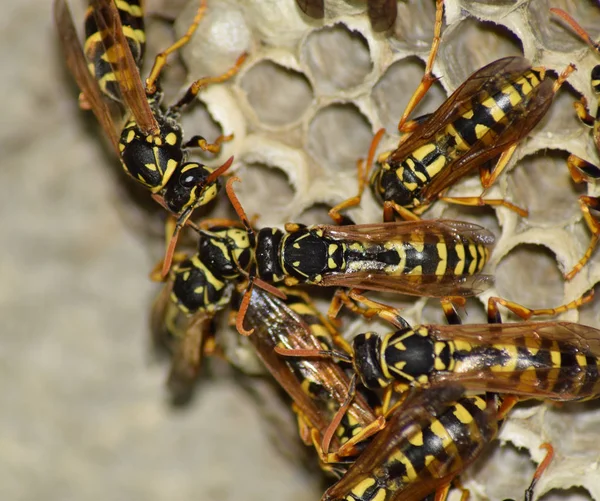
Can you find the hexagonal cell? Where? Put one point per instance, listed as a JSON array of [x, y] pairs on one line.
[[529, 275], [554, 33], [337, 57], [541, 183], [413, 30], [337, 137], [393, 90], [266, 192], [278, 95], [471, 44]]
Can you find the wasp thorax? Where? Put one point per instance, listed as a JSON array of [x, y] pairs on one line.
[[151, 159], [187, 187], [386, 186], [224, 251]]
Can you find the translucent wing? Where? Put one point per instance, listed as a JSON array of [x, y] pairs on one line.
[[378, 467], [423, 231], [77, 65], [123, 64], [277, 325], [572, 375], [476, 88]]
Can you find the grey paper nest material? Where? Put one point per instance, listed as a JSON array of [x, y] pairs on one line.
[[83, 415]]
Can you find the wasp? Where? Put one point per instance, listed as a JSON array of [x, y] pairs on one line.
[[428, 441], [581, 170], [484, 119], [431, 438], [543, 360], [318, 388], [382, 13], [151, 145], [197, 288], [427, 258]]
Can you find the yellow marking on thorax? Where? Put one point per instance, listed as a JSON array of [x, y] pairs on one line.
[[481, 130], [461, 144], [442, 433], [442, 251]]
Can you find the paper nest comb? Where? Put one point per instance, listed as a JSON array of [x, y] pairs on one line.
[[305, 105]]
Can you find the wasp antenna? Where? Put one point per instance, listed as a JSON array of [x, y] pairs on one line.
[[335, 422], [239, 320], [576, 27], [236, 202], [218, 172]]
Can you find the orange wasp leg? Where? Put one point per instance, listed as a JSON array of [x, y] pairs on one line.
[[428, 79], [527, 313], [363, 178], [161, 58]]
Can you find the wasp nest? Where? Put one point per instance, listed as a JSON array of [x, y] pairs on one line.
[[304, 109]]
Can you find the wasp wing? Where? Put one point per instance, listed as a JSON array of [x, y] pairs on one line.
[[123, 64], [378, 466], [476, 88], [424, 231], [275, 324], [530, 370], [77, 65]]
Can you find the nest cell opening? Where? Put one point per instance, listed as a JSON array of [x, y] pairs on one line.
[[338, 58], [337, 137], [529, 275], [278, 95], [393, 90], [471, 44]]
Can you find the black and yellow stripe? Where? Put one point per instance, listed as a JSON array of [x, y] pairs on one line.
[[99, 57], [426, 443]]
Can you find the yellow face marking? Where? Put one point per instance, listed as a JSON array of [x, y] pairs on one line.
[[442, 251], [460, 265]]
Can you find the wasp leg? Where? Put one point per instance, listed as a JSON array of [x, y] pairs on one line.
[[349, 448], [389, 208], [582, 110], [204, 145], [581, 170], [586, 203], [479, 202], [199, 84], [540, 469], [428, 79], [161, 58], [363, 179], [527, 313], [368, 308]]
